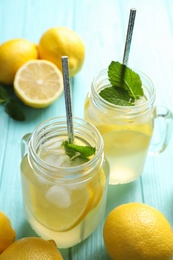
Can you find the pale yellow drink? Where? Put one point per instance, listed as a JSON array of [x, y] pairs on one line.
[[126, 131], [68, 203], [125, 148]]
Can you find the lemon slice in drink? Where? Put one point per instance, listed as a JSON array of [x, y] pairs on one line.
[[97, 187], [108, 128], [60, 208], [38, 83]]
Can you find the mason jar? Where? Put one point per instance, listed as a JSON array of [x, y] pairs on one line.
[[127, 131], [63, 200]]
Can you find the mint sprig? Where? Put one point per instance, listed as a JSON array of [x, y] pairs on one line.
[[13, 109], [11, 104], [126, 85], [4, 96], [82, 152]]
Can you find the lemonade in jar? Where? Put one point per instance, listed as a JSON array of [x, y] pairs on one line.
[[64, 185], [121, 104]]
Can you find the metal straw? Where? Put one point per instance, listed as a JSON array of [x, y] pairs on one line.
[[129, 35], [65, 70]]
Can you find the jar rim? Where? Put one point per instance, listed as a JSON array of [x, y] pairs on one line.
[[78, 122], [111, 106]]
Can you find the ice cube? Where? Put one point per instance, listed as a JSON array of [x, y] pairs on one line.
[[52, 144], [140, 101], [63, 161], [59, 196]]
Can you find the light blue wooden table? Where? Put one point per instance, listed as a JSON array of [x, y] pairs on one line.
[[102, 26]]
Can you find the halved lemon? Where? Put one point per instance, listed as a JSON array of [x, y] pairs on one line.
[[38, 83]]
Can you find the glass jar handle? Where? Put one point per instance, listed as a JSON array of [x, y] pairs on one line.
[[163, 128], [24, 145]]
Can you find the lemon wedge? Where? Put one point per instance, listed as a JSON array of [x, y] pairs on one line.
[[38, 83]]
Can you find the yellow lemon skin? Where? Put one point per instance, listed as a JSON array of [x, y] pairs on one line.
[[136, 231], [31, 248], [13, 54], [7, 234], [61, 41]]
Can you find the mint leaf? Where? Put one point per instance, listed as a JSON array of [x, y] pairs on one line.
[[13, 109], [126, 85], [4, 96], [123, 77], [117, 96], [82, 152], [11, 104]]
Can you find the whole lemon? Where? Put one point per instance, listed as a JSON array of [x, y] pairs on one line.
[[61, 41], [13, 54], [136, 231], [7, 234], [31, 248]]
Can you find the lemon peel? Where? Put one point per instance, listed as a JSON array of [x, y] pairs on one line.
[[62, 41], [137, 231], [7, 234], [13, 54]]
